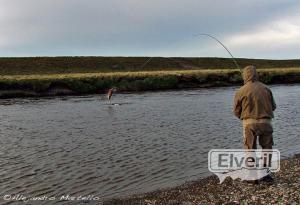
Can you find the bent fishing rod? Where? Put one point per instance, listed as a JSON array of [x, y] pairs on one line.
[[212, 37]]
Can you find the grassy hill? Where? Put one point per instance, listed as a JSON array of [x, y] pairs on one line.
[[56, 65]]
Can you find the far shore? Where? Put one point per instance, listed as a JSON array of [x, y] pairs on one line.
[[38, 85], [285, 190]]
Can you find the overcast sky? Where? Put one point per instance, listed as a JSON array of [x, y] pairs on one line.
[[249, 28]]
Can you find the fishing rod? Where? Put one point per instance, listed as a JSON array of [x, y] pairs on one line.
[[214, 38]]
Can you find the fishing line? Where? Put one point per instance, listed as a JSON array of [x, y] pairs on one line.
[[212, 37], [147, 61], [107, 196], [150, 58]]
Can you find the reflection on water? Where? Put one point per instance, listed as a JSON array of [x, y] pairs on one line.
[[135, 143]]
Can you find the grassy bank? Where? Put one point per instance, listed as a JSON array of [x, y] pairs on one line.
[[285, 190], [88, 83], [44, 76]]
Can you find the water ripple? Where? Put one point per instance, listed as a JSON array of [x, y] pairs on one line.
[[84, 145]]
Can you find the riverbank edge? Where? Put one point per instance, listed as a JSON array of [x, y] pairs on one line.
[[12, 86], [285, 190]]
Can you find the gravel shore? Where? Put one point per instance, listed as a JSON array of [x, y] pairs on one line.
[[284, 190]]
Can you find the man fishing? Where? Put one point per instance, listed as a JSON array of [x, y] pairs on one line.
[[254, 104]]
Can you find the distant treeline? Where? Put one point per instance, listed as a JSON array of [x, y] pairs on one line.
[[56, 65]]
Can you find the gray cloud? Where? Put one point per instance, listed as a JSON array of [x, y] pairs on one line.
[[135, 27]]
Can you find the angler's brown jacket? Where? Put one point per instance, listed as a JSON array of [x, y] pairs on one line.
[[254, 100]]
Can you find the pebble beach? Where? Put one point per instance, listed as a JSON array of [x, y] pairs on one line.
[[284, 190]]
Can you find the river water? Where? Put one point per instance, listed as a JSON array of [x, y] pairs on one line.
[[135, 143]]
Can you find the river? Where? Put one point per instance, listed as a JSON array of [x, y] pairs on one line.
[[135, 143]]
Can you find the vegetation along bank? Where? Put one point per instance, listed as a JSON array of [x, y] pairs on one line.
[[25, 77]]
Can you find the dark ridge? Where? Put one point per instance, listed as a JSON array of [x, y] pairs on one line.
[[79, 64]]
